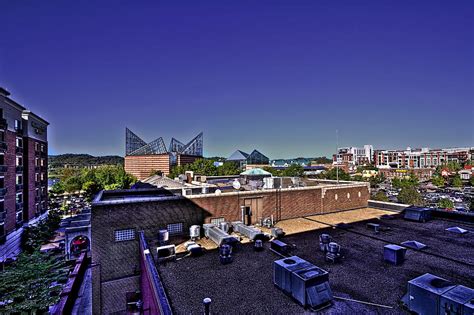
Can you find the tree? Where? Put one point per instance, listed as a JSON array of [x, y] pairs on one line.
[[456, 182], [332, 174], [409, 195], [380, 196], [72, 184], [228, 168], [57, 188], [156, 172], [408, 181], [376, 180], [91, 188], [294, 170], [438, 180], [445, 203], [272, 170]]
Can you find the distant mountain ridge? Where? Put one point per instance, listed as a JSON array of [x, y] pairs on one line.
[[83, 160]]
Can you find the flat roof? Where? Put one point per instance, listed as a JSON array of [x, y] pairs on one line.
[[124, 196], [246, 285]]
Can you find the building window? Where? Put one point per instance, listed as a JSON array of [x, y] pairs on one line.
[[359, 194], [175, 228], [19, 198], [19, 161], [2, 159], [19, 216], [18, 124], [335, 197], [217, 221], [19, 142], [348, 195], [19, 179], [124, 235], [43, 148]]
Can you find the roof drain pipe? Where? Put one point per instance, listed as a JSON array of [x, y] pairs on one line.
[[207, 306]]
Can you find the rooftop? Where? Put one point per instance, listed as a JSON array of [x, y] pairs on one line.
[[245, 285]]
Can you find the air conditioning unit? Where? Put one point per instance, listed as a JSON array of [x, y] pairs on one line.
[[417, 214], [218, 236], [424, 293], [165, 253], [459, 300], [250, 232], [394, 254], [306, 283]]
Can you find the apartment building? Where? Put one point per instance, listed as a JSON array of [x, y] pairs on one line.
[[351, 157], [23, 165], [421, 158]]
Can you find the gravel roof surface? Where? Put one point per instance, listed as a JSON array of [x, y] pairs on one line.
[[245, 285]]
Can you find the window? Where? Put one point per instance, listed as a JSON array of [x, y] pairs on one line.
[[18, 124], [2, 159], [19, 179], [19, 142], [216, 221], [348, 195], [43, 148], [19, 216], [2, 135], [37, 147], [359, 194], [2, 182], [19, 161], [19, 198], [124, 235], [175, 228], [335, 197]]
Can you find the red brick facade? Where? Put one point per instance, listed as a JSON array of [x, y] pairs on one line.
[[294, 203]]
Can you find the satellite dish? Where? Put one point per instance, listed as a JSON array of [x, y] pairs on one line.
[[218, 192], [236, 185]]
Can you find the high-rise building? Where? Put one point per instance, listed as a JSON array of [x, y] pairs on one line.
[[23, 165]]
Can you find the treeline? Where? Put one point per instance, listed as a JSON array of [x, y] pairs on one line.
[[91, 181], [206, 167], [83, 160]]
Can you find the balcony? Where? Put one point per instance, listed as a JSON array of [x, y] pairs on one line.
[[19, 169], [3, 192], [3, 123], [18, 150], [18, 187], [3, 168]]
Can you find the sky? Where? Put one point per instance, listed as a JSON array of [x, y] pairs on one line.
[[278, 76]]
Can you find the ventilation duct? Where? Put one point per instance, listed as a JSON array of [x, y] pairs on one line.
[[218, 236], [250, 232], [417, 214]]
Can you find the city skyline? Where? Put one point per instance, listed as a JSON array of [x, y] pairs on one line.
[[280, 77]]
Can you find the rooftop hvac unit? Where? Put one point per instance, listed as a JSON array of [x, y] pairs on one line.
[[277, 232], [417, 214], [424, 294], [225, 254], [394, 254], [224, 226], [163, 236], [218, 236], [303, 281], [459, 300], [334, 252], [195, 232], [324, 240], [280, 247], [193, 248], [165, 253], [258, 246], [249, 231]]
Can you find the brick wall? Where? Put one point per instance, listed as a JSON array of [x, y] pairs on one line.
[[294, 202], [10, 178], [141, 166], [120, 260], [29, 178]]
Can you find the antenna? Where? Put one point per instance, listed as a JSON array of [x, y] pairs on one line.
[[337, 156]]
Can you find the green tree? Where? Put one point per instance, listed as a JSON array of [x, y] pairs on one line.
[[294, 170], [272, 170], [156, 172], [408, 181], [380, 196], [332, 174], [445, 203], [376, 180], [57, 188], [91, 188], [456, 182], [72, 184], [228, 168], [438, 180], [409, 195]]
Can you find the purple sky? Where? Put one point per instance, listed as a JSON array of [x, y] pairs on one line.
[[279, 76]]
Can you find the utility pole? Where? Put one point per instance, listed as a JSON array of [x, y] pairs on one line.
[[337, 156]]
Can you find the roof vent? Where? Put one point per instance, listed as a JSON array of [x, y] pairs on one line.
[[457, 229], [414, 245]]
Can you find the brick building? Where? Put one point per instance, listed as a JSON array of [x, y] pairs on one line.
[[118, 217], [142, 158], [421, 158], [23, 165]]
